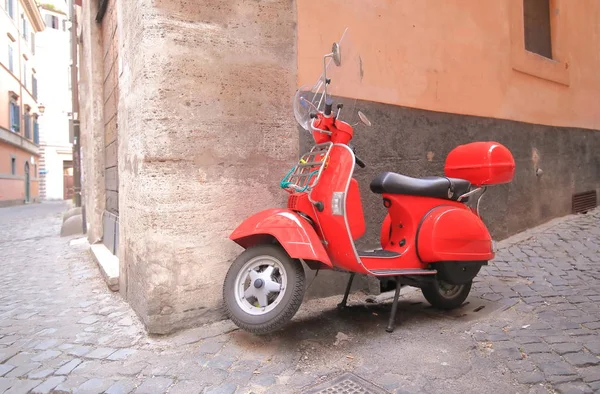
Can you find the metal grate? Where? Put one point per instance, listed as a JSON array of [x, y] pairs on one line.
[[307, 172], [583, 202], [348, 383]]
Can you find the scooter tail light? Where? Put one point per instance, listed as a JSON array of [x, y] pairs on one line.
[[337, 203]]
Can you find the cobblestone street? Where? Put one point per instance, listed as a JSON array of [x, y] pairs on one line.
[[62, 330]]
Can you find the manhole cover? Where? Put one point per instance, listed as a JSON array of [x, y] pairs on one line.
[[346, 384]]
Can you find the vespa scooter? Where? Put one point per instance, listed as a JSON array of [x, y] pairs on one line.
[[430, 238]]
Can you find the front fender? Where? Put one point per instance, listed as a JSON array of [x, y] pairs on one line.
[[294, 233]]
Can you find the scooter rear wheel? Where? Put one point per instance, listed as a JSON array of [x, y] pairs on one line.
[[446, 296], [263, 289]]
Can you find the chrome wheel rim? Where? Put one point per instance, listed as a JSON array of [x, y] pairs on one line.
[[448, 290], [260, 285]]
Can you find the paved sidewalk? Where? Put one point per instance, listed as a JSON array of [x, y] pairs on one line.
[[554, 279], [62, 330]]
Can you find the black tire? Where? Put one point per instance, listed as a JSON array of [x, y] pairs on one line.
[[434, 294], [290, 302]]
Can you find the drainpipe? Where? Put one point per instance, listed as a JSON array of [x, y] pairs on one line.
[[74, 123]]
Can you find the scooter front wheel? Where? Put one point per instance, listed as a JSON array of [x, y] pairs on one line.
[[263, 289], [446, 296]]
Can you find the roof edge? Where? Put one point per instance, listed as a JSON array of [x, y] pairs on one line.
[[32, 10]]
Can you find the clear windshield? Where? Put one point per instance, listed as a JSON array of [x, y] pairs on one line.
[[311, 99]]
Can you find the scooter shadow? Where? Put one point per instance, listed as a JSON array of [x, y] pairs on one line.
[[355, 319], [323, 323]]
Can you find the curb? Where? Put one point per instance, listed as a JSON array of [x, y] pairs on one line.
[[108, 264]]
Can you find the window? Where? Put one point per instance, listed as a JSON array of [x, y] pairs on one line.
[[536, 16], [25, 31], [27, 125], [13, 165], [33, 43], [34, 88], [36, 131], [15, 116], [51, 21], [35, 173], [11, 63], [11, 8], [24, 76]]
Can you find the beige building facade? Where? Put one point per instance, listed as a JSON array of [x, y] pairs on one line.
[[20, 21]]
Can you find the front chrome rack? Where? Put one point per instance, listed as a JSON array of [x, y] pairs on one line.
[[306, 174]]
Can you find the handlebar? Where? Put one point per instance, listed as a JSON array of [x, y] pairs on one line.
[[357, 160]]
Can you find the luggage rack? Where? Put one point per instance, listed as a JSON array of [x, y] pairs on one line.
[[306, 174]]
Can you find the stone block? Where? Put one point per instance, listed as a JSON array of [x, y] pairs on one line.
[[108, 264], [68, 367], [582, 359], [156, 385], [72, 226], [94, 386], [49, 385], [71, 212]]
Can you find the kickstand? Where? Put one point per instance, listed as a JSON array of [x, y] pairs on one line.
[[342, 304], [392, 322]]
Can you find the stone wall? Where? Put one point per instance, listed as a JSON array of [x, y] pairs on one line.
[[205, 128], [110, 43], [91, 110]]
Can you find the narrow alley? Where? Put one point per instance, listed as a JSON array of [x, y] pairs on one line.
[[537, 327]]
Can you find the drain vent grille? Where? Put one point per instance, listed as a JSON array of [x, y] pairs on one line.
[[583, 202], [346, 384]]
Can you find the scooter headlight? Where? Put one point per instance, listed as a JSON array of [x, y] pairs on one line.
[[337, 203]]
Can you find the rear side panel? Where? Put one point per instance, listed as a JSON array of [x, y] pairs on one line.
[[399, 229], [449, 233]]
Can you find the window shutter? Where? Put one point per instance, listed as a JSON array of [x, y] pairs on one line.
[[26, 120], [36, 132], [10, 58], [34, 86]]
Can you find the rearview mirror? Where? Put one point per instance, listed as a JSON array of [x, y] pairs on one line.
[[364, 119], [336, 54]]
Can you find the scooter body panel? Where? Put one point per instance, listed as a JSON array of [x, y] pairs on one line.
[[427, 230], [294, 233], [450, 233], [421, 230], [336, 179]]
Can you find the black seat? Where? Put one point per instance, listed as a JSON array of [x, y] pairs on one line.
[[435, 186]]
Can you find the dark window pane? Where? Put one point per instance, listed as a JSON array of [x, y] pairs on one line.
[[538, 38], [11, 65], [27, 121], [36, 132]]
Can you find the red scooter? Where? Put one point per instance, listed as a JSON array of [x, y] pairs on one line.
[[430, 238]]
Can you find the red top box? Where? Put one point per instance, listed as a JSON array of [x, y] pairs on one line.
[[481, 163]]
